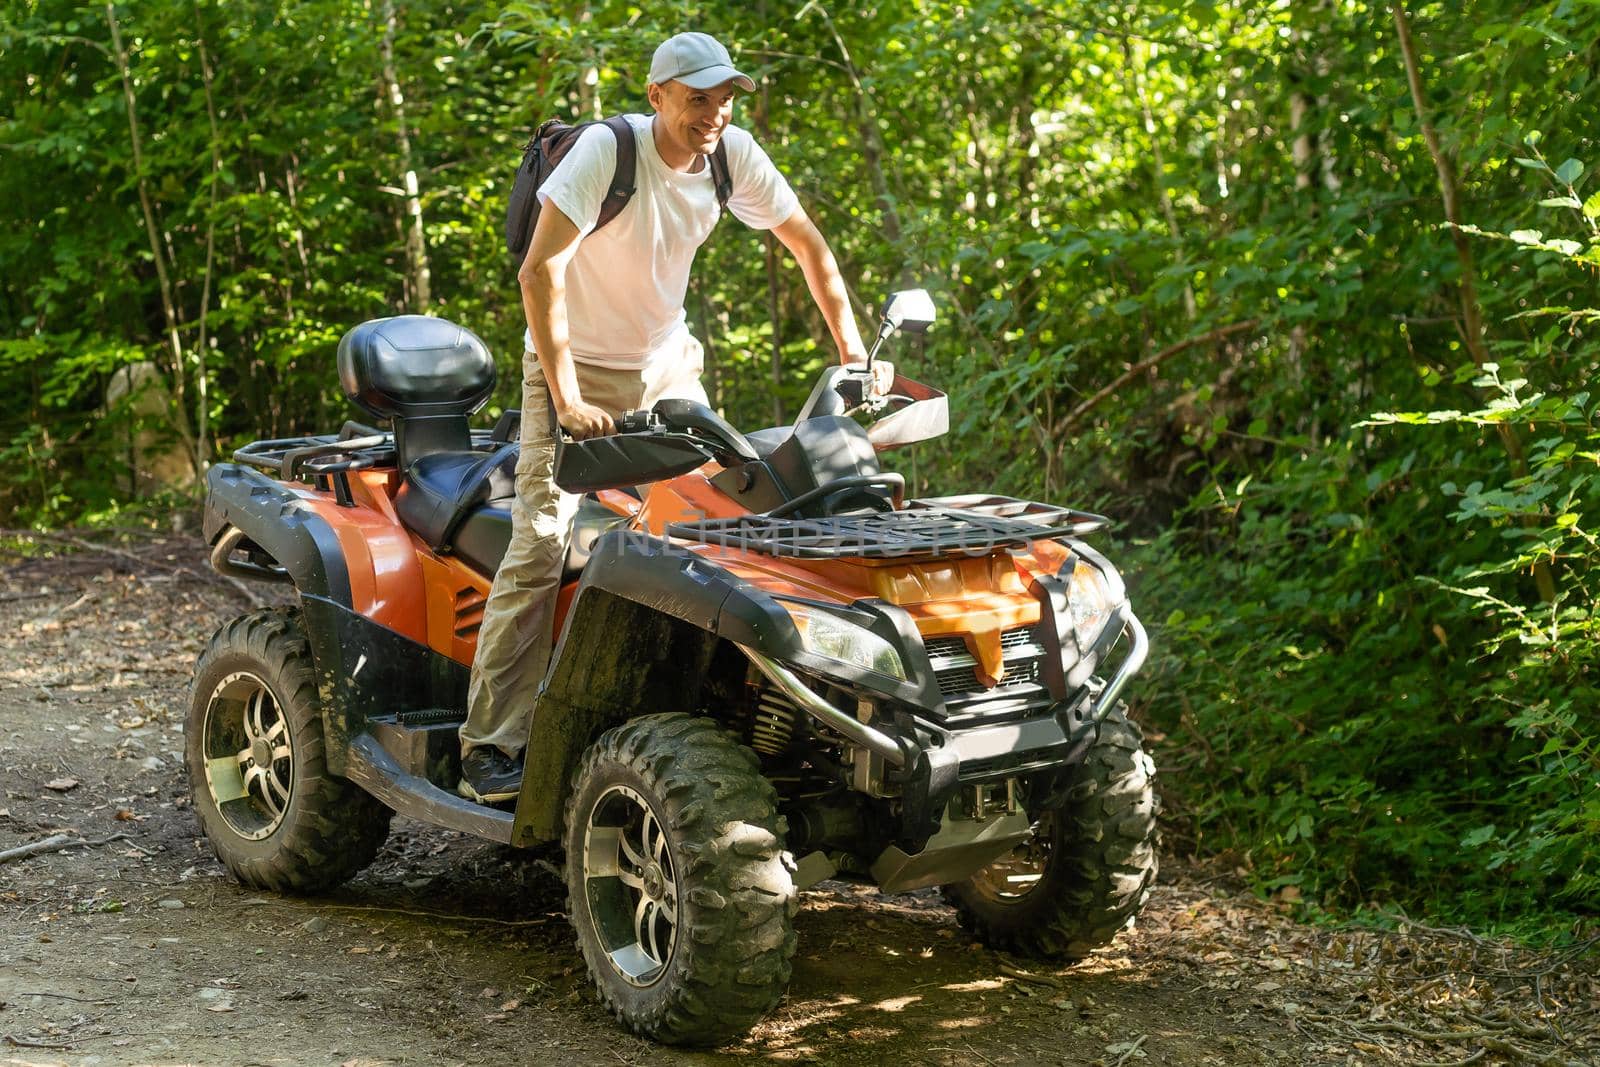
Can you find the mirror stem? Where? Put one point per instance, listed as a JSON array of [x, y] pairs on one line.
[[883, 335]]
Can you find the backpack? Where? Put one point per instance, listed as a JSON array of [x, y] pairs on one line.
[[549, 146]]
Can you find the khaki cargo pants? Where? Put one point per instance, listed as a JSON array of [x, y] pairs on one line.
[[518, 631]]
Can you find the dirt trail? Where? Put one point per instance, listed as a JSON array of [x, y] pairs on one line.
[[449, 950]]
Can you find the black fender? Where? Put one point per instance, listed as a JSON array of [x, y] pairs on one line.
[[300, 540], [644, 625], [365, 670]]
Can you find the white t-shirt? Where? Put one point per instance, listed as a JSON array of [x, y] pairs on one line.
[[626, 282]]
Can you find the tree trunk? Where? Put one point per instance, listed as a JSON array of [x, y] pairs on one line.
[[202, 412], [169, 307], [1471, 313], [589, 106], [421, 281], [713, 373]]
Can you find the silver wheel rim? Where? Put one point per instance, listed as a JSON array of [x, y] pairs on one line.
[[630, 885], [249, 756], [1016, 874]]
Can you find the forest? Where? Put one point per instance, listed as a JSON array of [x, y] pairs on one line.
[[1302, 295]]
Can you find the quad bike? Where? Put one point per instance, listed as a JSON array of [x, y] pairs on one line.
[[772, 669]]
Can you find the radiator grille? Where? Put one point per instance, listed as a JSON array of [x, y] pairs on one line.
[[955, 669]]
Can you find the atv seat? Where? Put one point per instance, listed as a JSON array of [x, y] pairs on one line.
[[442, 488], [483, 536], [460, 502], [427, 375]]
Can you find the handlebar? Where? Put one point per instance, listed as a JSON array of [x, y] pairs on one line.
[[637, 420]]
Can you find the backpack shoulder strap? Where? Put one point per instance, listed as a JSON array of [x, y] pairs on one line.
[[721, 177], [622, 178]]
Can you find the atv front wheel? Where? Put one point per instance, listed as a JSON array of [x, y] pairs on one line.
[[1089, 866], [254, 747], [678, 885]]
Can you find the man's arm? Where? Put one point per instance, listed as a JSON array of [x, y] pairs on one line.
[[543, 279], [801, 237]]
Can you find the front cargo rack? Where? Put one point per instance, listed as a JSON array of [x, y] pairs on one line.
[[936, 527]]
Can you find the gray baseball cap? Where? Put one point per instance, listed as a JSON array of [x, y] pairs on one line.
[[697, 60]]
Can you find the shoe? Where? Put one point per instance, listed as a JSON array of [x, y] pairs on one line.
[[489, 776]]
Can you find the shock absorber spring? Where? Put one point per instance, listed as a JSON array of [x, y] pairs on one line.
[[772, 725]]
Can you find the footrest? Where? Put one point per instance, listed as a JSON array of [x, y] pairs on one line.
[[423, 743], [372, 768]]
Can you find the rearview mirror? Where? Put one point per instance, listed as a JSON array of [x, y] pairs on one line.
[[910, 310]]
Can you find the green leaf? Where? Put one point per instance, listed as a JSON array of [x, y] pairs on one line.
[[1479, 837], [1591, 207], [1560, 201], [1534, 164], [1568, 172]]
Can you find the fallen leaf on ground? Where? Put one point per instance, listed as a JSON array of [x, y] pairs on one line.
[[61, 785]]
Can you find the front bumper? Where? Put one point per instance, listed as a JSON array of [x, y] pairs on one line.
[[929, 761]]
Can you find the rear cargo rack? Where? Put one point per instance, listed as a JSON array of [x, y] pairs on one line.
[[924, 529], [327, 460]]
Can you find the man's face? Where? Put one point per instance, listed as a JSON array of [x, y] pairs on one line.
[[694, 119]]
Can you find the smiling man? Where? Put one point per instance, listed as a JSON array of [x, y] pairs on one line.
[[606, 333]]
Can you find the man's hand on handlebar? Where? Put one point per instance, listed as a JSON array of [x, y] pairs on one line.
[[584, 421], [882, 375]]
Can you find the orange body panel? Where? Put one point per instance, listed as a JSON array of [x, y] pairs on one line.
[[386, 582], [978, 598], [455, 598], [619, 502], [688, 498], [398, 582]]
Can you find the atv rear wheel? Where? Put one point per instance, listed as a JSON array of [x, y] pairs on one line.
[[275, 816], [1089, 866], [678, 885]]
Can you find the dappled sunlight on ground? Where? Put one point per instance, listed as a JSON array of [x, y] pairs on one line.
[[128, 949]]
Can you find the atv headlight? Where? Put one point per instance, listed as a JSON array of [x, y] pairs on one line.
[[1088, 602], [825, 634]]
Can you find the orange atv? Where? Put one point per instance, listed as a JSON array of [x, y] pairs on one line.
[[772, 669]]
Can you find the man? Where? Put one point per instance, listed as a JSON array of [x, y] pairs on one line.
[[607, 333]]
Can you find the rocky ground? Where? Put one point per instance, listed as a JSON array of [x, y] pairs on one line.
[[133, 947]]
